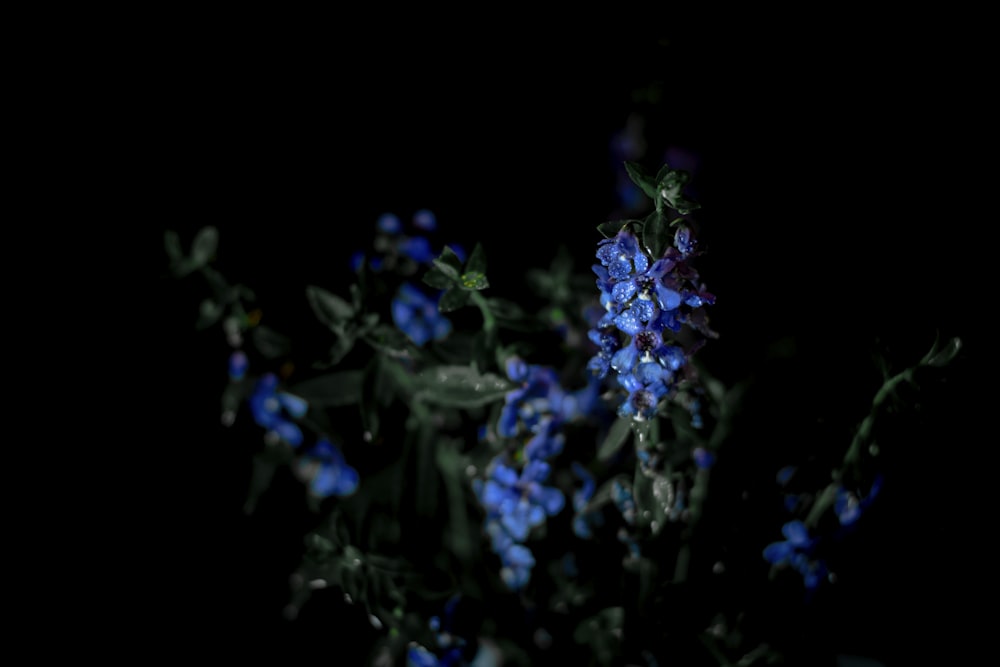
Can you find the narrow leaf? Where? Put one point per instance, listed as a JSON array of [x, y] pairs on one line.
[[462, 386], [641, 178], [477, 260], [172, 244], [616, 437], [329, 308], [204, 245]]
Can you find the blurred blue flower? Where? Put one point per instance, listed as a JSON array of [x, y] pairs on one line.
[[849, 507], [326, 471], [417, 315], [418, 656], [425, 219], [389, 223], [416, 248], [517, 562], [274, 410], [796, 551], [703, 458], [582, 495], [238, 364]]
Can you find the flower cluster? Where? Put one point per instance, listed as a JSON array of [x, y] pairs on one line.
[[404, 388], [414, 308], [646, 302], [514, 492]]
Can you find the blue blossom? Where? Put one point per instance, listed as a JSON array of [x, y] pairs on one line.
[[703, 458], [416, 248], [582, 495], [517, 562], [274, 410], [796, 551], [326, 470], [622, 496], [238, 364], [539, 407], [849, 507], [583, 521], [425, 219], [417, 315], [643, 396], [389, 223]]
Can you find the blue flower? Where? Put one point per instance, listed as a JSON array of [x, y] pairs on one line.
[[238, 364], [796, 551], [273, 410], [326, 471], [417, 315], [703, 458], [416, 248], [582, 495], [849, 507], [517, 562], [425, 220], [389, 223]]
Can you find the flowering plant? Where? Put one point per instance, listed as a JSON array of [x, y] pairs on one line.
[[483, 480]]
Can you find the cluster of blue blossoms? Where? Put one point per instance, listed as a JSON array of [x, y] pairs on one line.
[[414, 307], [646, 304], [800, 548], [514, 491], [277, 411]]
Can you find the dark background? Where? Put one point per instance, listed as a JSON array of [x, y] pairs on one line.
[[837, 168]]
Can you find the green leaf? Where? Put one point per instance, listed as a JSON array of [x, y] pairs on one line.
[[204, 245], [172, 244], [669, 190], [654, 496], [453, 299], [656, 234], [641, 178], [619, 432], [437, 278], [449, 263], [389, 340], [943, 354], [461, 387], [341, 348], [270, 343], [477, 260], [331, 310]]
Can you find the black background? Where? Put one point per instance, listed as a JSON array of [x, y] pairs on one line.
[[838, 164]]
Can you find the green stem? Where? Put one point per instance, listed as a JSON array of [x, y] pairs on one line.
[[489, 321]]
